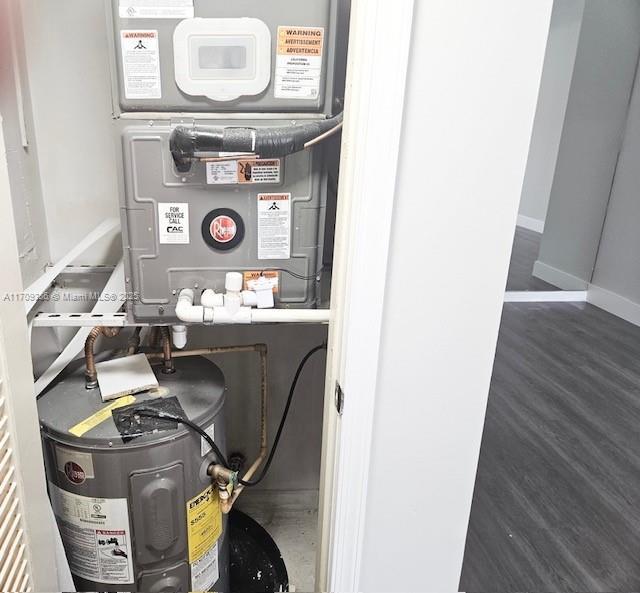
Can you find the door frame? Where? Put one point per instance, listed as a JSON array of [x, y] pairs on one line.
[[375, 96]]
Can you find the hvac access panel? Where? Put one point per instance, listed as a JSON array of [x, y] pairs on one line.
[[255, 216], [199, 55]]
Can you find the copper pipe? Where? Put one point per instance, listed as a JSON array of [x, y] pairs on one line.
[[226, 504], [152, 338], [91, 375], [208, 351], [134, 342], [168, 368]]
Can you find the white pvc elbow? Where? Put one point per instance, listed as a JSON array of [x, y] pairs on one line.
[[187, 312]]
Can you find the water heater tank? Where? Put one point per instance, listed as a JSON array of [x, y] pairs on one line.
[[138, 514]]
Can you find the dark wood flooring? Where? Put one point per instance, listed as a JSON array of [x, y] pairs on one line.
[[526, 246], [557, 498]]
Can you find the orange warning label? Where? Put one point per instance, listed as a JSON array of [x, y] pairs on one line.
[[251, 277], [274, 197], [300, 41], [259, 171]]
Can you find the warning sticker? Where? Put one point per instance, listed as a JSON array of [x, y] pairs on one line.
[[204, 528], [173, 223], [299, 62], [156, 9], [259, 171], [274, 226], [251, 280], [251, 171], [99, 417], [205, 572], [96, 536], [141, 64]]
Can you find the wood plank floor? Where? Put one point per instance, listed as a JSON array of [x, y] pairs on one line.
[[557, 499], [526, 246]]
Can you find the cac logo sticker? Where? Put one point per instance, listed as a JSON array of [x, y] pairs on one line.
[[223, 229], [74, 472]]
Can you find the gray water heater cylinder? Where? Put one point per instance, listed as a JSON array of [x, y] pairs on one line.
[[138, 514]]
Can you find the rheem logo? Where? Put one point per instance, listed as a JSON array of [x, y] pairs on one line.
[[223, 229], [75, 474]]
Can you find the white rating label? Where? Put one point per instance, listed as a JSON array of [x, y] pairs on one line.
[[156, 9]]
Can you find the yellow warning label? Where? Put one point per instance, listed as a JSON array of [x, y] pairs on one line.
[[99, 417], [204, 523]]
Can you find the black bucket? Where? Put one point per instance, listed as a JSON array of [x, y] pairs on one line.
[[256, 565]]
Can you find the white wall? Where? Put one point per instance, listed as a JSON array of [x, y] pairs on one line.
[[616, 278], [473, 85], [594, 125], [70, 86], [559, 62], [22, 154]]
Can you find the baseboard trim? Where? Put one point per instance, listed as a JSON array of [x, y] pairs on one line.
[[614, 304], [555, 296], [562, 280], [532, 224]]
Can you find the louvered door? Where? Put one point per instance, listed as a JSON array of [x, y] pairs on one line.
[[14, 564]]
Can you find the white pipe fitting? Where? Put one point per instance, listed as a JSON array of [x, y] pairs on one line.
[[249, 298], [179, 336], [211, 299], [234, 282], [226, 316], [187, 312]]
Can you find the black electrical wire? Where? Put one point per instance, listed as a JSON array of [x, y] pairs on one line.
[[148, 413], [292, 273], [283, 421]]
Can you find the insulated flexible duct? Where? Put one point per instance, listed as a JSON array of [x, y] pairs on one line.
[[187, 142]]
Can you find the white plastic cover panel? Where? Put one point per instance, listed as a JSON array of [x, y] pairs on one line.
[[222, 59]]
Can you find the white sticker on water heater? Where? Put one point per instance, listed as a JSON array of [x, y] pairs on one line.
[[205, 572], [274, 226], [96, 536], [173, 223], [141, 64], [156, 9]]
